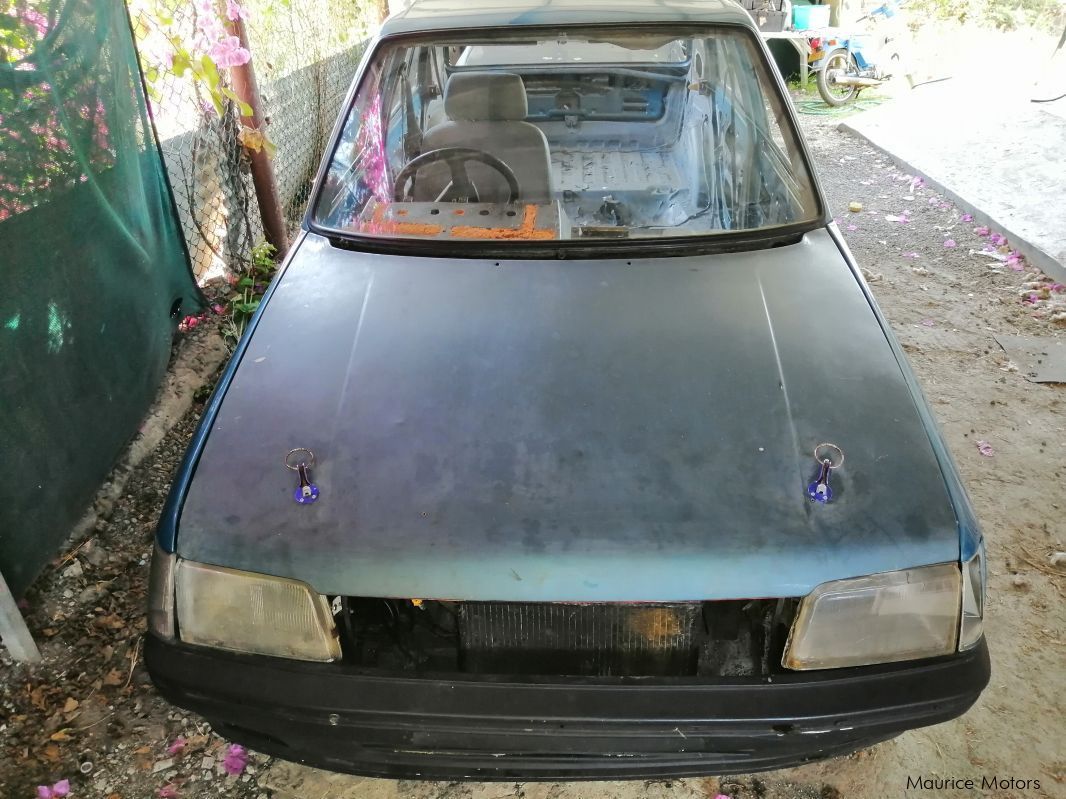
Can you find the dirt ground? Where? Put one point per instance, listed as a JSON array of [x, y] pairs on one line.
[[90, 715]]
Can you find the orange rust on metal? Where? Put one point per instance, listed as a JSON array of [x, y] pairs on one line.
[[526, 231], [378, 224], [655, 623]]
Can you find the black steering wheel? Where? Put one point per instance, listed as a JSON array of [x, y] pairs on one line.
[[461, 188]]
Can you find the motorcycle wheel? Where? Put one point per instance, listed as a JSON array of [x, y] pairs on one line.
[[836, 62]]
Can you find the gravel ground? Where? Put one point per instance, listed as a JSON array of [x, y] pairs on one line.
[[90, 715]]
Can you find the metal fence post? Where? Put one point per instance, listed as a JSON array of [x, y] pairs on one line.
[[266, 186]]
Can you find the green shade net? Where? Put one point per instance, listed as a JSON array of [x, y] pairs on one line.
[[92, 265]]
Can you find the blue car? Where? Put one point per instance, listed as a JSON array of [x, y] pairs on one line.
[[569, 441]]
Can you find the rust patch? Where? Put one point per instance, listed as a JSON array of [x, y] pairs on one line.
[[655, 624], [379, 224], [527, 231]]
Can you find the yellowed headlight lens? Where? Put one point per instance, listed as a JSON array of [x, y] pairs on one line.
[[255, 613], [882, 618]]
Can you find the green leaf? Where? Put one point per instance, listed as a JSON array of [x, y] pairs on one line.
[[245, 282], [210, 71], [181, 63], [246, 110]]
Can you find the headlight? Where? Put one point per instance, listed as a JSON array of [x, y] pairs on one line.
[[901, 615], [972, 624], [256, 613]]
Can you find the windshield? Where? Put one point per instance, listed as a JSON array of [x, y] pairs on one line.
[[514, 136]]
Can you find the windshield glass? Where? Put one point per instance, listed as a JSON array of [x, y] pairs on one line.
[[515, 136]]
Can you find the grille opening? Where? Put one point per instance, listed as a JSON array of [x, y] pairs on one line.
[[734, 638]]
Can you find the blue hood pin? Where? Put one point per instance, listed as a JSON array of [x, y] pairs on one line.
[[820, 491], [300, 460]]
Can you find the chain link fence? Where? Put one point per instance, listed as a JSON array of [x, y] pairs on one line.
[[304, 53]]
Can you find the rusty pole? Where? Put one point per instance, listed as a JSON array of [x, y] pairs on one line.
[[266, 186]]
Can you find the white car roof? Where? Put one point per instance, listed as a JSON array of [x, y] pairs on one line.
[[424, 16]]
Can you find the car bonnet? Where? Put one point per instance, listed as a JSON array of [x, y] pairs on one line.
[[587, 430]]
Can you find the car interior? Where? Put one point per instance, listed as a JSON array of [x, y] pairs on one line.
[[609, 136]]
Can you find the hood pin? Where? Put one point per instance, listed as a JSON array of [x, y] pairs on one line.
[[829, 457], [300, 460]]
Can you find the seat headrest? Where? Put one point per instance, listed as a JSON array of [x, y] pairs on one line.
[[481, 96]]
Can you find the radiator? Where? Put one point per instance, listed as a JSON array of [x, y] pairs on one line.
[[570, 639]]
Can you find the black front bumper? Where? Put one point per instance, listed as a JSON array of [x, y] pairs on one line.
[[339, 718]]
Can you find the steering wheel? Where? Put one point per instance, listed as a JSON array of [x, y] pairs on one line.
[[461, 188]]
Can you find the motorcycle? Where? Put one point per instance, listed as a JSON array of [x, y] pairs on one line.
[[847, 64]]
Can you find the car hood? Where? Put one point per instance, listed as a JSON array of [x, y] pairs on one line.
[[589, 430]]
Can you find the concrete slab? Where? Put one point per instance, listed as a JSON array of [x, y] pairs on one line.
[[995, 154], [1042, 360]]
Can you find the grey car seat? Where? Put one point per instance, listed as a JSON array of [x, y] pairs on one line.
[[486, 111]]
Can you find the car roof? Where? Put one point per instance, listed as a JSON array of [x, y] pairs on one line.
[[423, 16]]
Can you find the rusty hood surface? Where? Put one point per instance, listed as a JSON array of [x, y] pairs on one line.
[[568, 430]]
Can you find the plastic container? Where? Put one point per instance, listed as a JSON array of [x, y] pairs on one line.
[[805, 18]]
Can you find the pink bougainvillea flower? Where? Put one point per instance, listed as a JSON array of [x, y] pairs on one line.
[[966, 218], [61, 788], [932, 200], [981, 230], [985, 449], [227, 52], [209, 31], [911, 255], [176, 746], [1032, 299], [853, 227], [1058, 288], [928, 323], [997, 239], [236, 760], [235, 11], [168, 791], [902, 219], [950, 243], [217, 308], [37, 20]]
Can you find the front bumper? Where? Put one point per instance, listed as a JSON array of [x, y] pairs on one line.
[[344, 719]]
